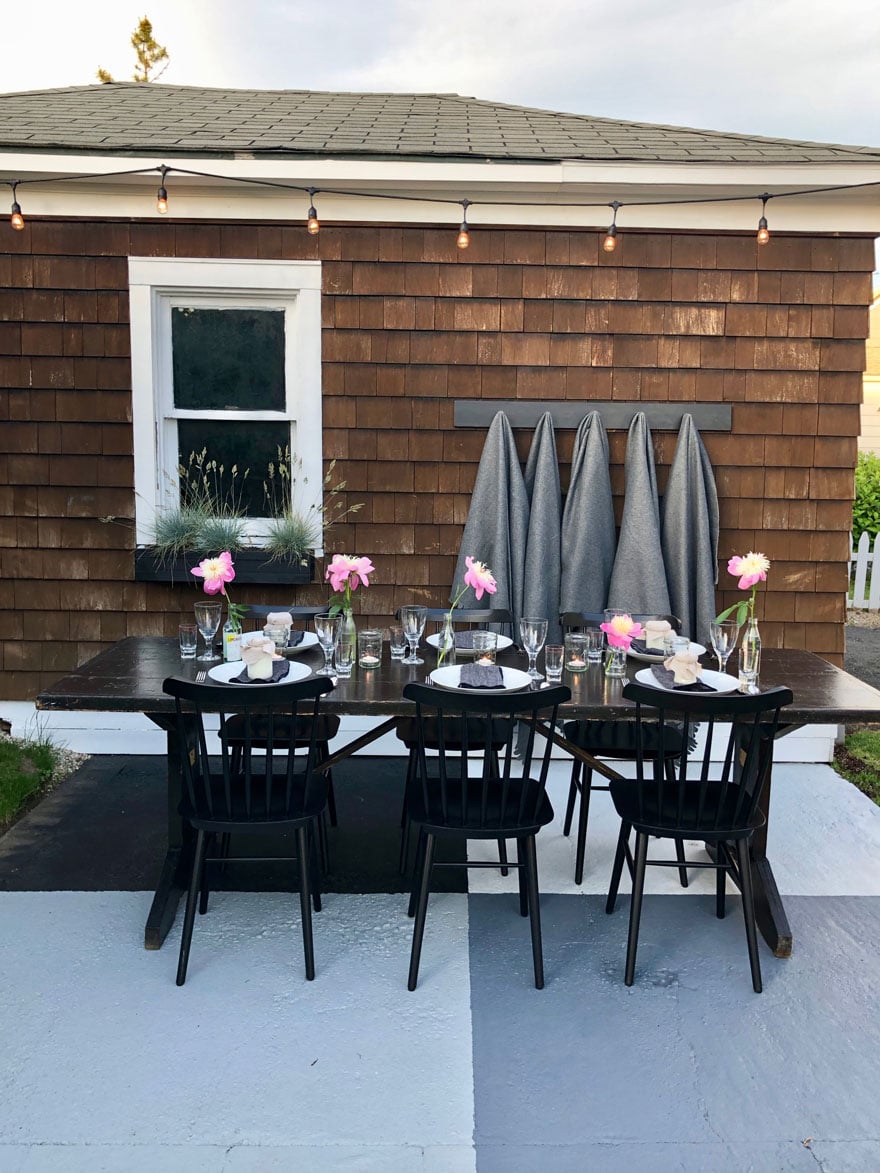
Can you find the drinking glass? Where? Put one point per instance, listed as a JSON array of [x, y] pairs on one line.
[[594, 643], [413, 620], [553, 654], [344, 650], [326, 629], [532, 633], [188, 636], [723, 636], [396, 641], [208, 617], [485, 647]]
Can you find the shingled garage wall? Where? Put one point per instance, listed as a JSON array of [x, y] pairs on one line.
[[410, 325]]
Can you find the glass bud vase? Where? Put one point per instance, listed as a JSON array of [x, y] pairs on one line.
[[347, 625], [615, 661], [446, 644], [750, 654], [231, 640]]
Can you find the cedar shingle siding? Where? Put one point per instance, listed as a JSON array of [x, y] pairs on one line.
[[409, 325]]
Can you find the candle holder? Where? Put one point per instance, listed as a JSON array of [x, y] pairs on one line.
[[575, 652], [369, 648]]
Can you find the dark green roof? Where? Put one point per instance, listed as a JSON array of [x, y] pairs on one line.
[[132, 118]]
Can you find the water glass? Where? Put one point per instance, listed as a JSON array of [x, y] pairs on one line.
[[369, 648], [343, 654], [594, 642], [576, 650], [553, 657], [485, 647], [326, 629], [396, 641], [208, 617], [188, 636], [413, 620], [532, 633]]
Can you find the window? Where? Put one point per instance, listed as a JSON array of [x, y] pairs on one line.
[[226, 358]]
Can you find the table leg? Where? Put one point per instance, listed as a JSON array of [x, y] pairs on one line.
[[177, 864], [769, 911]]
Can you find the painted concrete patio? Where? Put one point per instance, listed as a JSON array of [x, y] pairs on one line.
[[248, 1068]]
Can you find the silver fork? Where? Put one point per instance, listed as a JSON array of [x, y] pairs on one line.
[[201, 676]]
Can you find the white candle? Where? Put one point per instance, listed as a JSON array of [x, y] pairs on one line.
[[368, 661], [575, 664]]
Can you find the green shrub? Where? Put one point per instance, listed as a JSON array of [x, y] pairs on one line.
[[866, 507], [25, 768]]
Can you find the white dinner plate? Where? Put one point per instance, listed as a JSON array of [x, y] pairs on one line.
[[720, 681], [661, 656], [225, 672], [504, 642], [515, 680]]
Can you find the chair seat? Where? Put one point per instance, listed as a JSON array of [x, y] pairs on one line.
[[407, 731], [693, 818], [302, 804], [469, 815], [326, 728], [619, 737]]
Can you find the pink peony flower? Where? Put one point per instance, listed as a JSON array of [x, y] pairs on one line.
[[216, 572], [479, 576], [621, 631], [752, 569]]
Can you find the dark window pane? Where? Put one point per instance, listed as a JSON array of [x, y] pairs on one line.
[[228, 359], [210, 449]]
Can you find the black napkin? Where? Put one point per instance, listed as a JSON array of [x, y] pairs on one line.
[[296, 637], [280, 668], [641, 647], [464, 641], [666, 677], [481, 676]]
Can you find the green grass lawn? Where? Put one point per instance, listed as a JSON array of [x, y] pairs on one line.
[[26, 769], [858, 760]]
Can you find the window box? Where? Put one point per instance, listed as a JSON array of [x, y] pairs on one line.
[[251, 566]]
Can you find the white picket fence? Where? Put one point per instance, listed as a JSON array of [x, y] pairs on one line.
[[864, 589]]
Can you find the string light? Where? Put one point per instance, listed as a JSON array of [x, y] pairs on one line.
[[464, 233], [162, 195], [16, 219], [610, 242], [313, 225]]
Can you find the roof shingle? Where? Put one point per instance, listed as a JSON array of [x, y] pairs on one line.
[[127, 118]]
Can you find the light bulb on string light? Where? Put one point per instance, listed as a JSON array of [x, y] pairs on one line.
[[313, 224], [609, 244], [464, 233], [16, 219], [763, 235], [162, 195]]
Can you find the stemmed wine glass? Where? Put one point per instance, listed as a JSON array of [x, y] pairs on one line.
[[208, 620], [413, 620], [326, 629], [532, 633], [723, 636]]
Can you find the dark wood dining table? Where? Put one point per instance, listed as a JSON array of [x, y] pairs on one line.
[[128, 678]]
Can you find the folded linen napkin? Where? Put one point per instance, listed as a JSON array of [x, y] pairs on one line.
[[464, 640], [639, 646], [280, 669], [296, 637], [481, 676], [667, 678]]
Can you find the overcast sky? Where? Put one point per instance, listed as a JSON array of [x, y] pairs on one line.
[[784, 68]]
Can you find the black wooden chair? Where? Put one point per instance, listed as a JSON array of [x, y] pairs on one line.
[[455, 795], [264, 785], [328, 723], [717, 802], [476, 618], [614, 739]]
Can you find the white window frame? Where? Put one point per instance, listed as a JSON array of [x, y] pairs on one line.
[[156, 286]]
